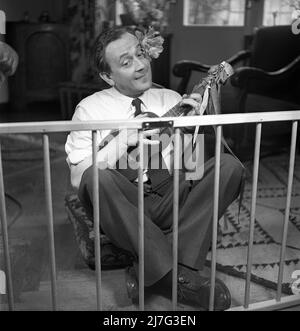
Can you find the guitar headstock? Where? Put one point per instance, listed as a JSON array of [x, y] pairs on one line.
[[220, 73]]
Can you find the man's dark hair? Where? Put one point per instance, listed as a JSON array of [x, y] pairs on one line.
[[105, 38]]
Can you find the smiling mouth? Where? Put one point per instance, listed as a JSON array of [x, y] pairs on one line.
[[141, 77]]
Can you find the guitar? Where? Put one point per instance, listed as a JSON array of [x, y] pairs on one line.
[[208, 88], [218, 75]]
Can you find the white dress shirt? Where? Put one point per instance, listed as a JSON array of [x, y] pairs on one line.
[[110, 105]]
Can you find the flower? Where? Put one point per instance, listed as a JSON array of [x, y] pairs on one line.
[[294, 4], [151, 42], [295, 14]]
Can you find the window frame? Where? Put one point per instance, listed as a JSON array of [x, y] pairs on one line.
[[265, 18], [187, 25]]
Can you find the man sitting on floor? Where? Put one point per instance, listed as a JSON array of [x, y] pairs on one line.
[[123, 64]]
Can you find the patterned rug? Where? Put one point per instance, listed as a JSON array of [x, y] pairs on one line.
[[271, 200]]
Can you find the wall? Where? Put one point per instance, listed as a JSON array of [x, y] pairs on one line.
[[208, 45], [15, 9]]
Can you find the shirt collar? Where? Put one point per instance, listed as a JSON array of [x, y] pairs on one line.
[[127, 101]]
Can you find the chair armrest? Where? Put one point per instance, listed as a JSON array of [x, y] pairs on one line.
[[238, 57], [181, 68], [185, 68], [244, 74]]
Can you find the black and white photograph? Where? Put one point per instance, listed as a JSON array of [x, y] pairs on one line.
[[149, 158]]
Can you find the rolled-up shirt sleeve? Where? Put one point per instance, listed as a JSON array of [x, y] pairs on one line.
[[9, 59], [79, 143], [79, 148]]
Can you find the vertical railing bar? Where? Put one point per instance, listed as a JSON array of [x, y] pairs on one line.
[[215, 217], [4, 228], [253, 212], [175, 217], [48, 193], [141, 223], [287, 209], [96, 217]]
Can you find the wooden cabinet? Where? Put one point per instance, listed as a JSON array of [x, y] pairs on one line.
[[43, 50]]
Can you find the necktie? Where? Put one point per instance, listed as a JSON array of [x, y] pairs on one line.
[[157, 176], [136, 103]]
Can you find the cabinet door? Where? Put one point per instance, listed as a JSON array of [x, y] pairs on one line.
[[45, 64], [43, 61]]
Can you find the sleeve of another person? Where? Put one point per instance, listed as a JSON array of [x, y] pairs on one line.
[[8, 60]]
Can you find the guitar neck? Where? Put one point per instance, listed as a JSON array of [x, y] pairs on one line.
[[219, 74], [179, 109]]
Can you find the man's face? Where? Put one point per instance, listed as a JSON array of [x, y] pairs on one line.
[[130, 69]]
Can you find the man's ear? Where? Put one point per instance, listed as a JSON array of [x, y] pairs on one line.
[[107, 78]]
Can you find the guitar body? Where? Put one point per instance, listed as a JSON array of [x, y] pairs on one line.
[[158, 175]]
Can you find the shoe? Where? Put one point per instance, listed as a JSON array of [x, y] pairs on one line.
[[193, 289]]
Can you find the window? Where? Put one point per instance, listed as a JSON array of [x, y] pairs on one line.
[[2, 22], [277, 12], [214, 12]]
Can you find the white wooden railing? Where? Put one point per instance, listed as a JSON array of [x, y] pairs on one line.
[[46, 128]]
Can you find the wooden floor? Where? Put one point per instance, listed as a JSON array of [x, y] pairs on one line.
[[76, 283], [77, 291]]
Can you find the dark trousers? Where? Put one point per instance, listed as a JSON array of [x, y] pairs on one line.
[[119, 214]]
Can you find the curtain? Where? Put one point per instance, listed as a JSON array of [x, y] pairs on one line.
[[81, 15], [87, 18], [104, 14]]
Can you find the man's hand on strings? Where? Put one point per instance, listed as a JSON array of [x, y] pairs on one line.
[[194, 100]]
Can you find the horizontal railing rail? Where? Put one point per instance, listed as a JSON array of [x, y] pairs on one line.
[[46, 128], [179, 122]]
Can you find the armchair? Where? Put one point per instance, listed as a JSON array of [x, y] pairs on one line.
[[268, 79], [274, 64]]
